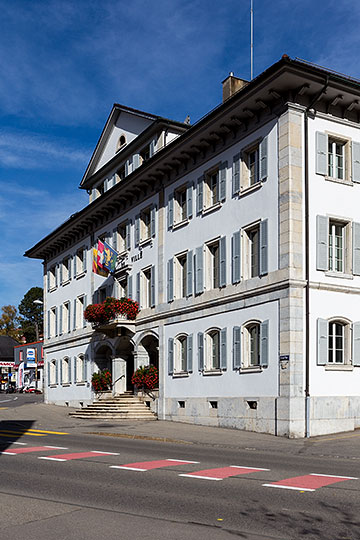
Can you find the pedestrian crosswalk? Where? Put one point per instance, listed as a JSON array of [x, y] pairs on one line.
[[309, 482]]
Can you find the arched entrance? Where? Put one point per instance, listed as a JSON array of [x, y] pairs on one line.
[[150, 344], [123, 362], [103, 358]]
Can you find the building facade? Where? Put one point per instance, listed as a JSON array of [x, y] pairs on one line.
[[239, 237]]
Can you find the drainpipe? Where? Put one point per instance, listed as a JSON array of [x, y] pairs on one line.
[[307, 259]]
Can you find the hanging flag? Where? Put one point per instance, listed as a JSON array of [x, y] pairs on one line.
[[100, 254], [95, 267], [109, 258]]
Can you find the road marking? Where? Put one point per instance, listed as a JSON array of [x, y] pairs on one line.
[[28, 449], [79, 455], [309, 482], [48, 432], [143, 466], [8, 431], [4, 408], [222, 472]]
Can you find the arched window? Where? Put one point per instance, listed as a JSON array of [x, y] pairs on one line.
[[65, 372], [251, 349], [52, 372], [333, 341], [213, 349], [337, 342], [121, 142], [181, 354], [80, 368]]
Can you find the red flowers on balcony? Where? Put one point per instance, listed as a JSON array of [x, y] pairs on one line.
[[110, 309]]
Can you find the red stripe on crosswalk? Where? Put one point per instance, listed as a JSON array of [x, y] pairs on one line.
[[222, 472], [148, 465], [78, 455], [26, 450], [309, 482]]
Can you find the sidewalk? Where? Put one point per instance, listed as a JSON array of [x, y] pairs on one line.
[[52, 417]]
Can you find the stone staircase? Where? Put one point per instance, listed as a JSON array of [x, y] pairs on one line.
[[126, 406]]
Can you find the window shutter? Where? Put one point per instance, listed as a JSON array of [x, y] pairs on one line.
[[61, 273], [222, 245], [93, 194], [152, 287], [199, 194], [48, 280], [189, 201], [356, 248], [56, 321], [223, 351], [136, 161], [61, 371], [199, 270], [129, 287], [69, 370], [152, 220], [263, 157], [69, 317], [356, 344], [170, 284], [171, 211], [74, 315], [322, 341], [189, 352], [85, 304], [127, 239], [322, 237], [84, 258], [126, 167], [70, 263], [48, 373], [152, 148], [201, 351], [56, 371], [236, 347], [75, 369], [75, 265], [356, 162], [85, 363], [106, 184], [264, 343], [48, 325], [114, 239], [57, 270], [138, 287], [321, 141], [263, 247], [171, 356], [60, 320], [137, 230], [236, 175], [235, 258], [189, 273], [222, 181]]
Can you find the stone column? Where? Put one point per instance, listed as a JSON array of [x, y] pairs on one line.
[[119, 375], [141, 357]]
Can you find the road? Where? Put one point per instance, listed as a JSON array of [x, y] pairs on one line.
[[81, 493]]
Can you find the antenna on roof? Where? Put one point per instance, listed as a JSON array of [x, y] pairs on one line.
[[251, 39]]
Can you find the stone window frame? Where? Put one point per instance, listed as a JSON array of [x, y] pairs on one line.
[[347, 349], [246, 364], [210, 360]]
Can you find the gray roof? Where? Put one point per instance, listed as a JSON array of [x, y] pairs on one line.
[[7, 345]]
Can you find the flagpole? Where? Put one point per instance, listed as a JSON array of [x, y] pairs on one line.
[[251, 39]]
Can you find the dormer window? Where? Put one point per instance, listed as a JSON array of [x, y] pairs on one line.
[[120, 173], [121, 142], [145, 153]]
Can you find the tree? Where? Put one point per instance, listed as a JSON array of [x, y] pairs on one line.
[[32, 314], [9, 322]]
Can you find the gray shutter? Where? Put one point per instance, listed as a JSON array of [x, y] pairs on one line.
[[222, 181], [75, 366], [356, 162], [106, 184], [85, 304], [322, 238], [70, 265], [170, 283], [152, 148], [114, 239], [69, 370], [74, 315], [199, 270], [152, 221], [189, 272], [138, 276], [61, 371], [129, 287], [199, 194], [236, 175], [171, 356], [57, 372], [69, 317], [60, 320], [48, 280], [222, 245], [137, 230], [48, 373], [85, 363], [56, 321], [236, 347], [263, 157], [126, 167], [235, 258], [356, 248], [321, 141], [61, 273], [263, 247], [152, 287], [356, 344], [223, 351], [75, 265], [48, 324], [57, 270], [84, 258], [322, 342], [264, 343], [170, 211], [136, 161], [189, 201], [128, 236], [189, 353], [201, 351]]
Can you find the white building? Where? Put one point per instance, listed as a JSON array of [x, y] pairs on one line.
[[240, 238]]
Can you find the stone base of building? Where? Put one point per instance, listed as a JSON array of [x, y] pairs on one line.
[[334, 414]]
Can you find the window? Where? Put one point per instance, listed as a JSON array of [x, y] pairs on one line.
[[333, 342], [120, 173], [122, 230], [52, 372], [211, 193], [213, 266], [80, 369], [123, 287], [336, 342], [121, 142], [251, 338], [336, 158], [102, 294], [66, 270], [145, 224], [181, 276], [52, 283], [336, 246], [79, 307], [52, 322], [80, 262], [251, 346], [213, 349], [65, 323], [146, 292], [65, 371], [252, 252], [180, 207], [181, 354], [250, 167]]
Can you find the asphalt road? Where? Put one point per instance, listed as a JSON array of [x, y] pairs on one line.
[[87, 499]]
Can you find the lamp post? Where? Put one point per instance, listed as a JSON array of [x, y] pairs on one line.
[[38, 303]]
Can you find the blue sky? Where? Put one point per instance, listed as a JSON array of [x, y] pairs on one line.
[[63, 64]]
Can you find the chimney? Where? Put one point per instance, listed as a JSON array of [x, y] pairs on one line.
[[231, 85]]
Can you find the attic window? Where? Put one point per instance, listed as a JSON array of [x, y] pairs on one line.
[[121, 142]]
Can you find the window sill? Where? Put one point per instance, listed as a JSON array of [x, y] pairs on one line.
[[211, 209], [80, 275], [340, 275], [145, 242], [180, 374], [124, 252], [66, 282], [180, 224], [339, 181], [53, 385], [251, 369], [339, 367], [52, 289], [210, 372], [250, 189], [65, 385], [81, 383]]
